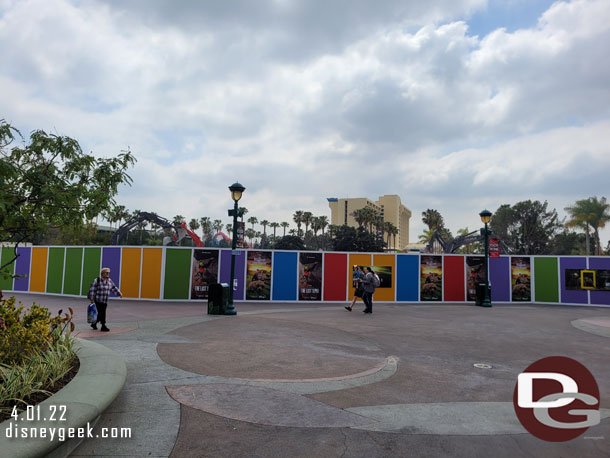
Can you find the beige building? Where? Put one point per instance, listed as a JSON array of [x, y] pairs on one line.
[[388, 206]]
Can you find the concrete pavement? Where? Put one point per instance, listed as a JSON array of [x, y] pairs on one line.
[[316, 380]]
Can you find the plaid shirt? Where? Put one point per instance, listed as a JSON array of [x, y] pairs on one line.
[[100, 289]]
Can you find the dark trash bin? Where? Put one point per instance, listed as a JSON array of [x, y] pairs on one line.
[[218, 298], [480, 293]]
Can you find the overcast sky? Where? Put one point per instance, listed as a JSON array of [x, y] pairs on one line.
[[456, 105]]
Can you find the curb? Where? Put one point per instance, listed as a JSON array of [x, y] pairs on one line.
[[79, 404]]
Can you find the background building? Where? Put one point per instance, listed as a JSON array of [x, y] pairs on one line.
[[389, 207]]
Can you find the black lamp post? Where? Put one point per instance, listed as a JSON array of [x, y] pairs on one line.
[[236, 192], [486, 218]]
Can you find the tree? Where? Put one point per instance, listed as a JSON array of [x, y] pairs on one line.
[[568, 242], [323, 222], [433, 219], [591, 213], [193, 224], [351, 239], [49, 182], [274, 226], [527, 227], [253, 220], [179, 219], [265, 223], [206, 228], [242, 212], [284, 225], [298, 219], [290, 242], [217, 225], [307, 220]]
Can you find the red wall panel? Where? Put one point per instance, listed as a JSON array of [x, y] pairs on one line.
[[453, 278], [335, 276]]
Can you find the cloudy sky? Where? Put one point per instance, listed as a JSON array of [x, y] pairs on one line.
[[456, 105]]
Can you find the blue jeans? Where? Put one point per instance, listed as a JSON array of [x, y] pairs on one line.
[[367, 298]]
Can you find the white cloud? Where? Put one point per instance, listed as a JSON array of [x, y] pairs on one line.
[[301, 101]]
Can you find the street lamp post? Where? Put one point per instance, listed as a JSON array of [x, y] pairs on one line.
[[236, 192], [486, 218]]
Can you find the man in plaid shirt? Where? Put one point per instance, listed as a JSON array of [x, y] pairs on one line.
[[98, 293]]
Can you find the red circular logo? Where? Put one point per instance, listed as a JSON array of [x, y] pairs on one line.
[[557, 399]]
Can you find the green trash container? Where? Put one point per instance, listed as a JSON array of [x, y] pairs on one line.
[[218, 298]]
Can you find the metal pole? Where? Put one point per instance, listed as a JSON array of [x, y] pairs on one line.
[[230, 307], [487, 300]]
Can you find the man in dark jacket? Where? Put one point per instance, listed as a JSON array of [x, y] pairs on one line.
[[368, 284]]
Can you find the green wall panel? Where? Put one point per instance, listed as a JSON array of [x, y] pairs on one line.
[[92, 265], [72, 276], [8, 253], [546, 280], [55, 271], [177, 272]]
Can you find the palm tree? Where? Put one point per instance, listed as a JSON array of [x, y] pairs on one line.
[[193, 224], [307, 220], [285, 225], [360, 217], [250, 233], [274, 226], [323, 222], [253, 220], [265, 223], [591, 213], [206, 227], [426, 236], [229, 229], [315, 225], [242, 211], [298, 218], [292, 232], [217, 225], [178, 219]]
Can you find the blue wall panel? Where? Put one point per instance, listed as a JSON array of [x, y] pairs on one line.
[[407, 277], [284, 276]]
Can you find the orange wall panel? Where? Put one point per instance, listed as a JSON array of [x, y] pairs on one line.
[[130, 272], [385, 294], [38, 273], [151, 273]]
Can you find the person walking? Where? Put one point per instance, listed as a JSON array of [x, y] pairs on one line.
[[368, 284], [357, 276], [98, 293]]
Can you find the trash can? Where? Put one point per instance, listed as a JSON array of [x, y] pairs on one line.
[[218, 298], [481, 293]]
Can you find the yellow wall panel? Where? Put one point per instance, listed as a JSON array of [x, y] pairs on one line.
[[358, 259], [130, 272], [151, 273], [379, 260], [38, 273]]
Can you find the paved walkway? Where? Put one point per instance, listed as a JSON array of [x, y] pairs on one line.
[[318, 381]]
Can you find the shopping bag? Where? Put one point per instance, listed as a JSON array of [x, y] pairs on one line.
[[91, 313]]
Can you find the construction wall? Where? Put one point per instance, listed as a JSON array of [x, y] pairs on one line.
[[176, 273]]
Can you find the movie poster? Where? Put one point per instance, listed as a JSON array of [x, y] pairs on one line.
[[475, 274], [258, 276], [310, 276], [521, 278], [204, 272], [572, 278], [603, 279], [431, 278], [385, 275]]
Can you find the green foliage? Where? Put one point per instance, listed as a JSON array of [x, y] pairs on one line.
[[591, 213], [290, 242], [25, 333], [350, 239], [49, 182]]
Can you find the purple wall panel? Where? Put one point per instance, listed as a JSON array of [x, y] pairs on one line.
[[111, 257], [599, 297], [571, 296], [499, 277], [22, 267], [240, 266]]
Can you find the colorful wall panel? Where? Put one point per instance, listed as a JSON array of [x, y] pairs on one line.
[[454, 279], [91, 269], [499, 278], [6, 254], [22, 268], [546, 280], [177, 273], [284, 282], [572, 296], [55, 270], [407, 273], [38, 270], [240, 272], [384, 265], [111, 258], [335, 273], [151, 273], [73, 271], [599, 297], [130, 272]]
